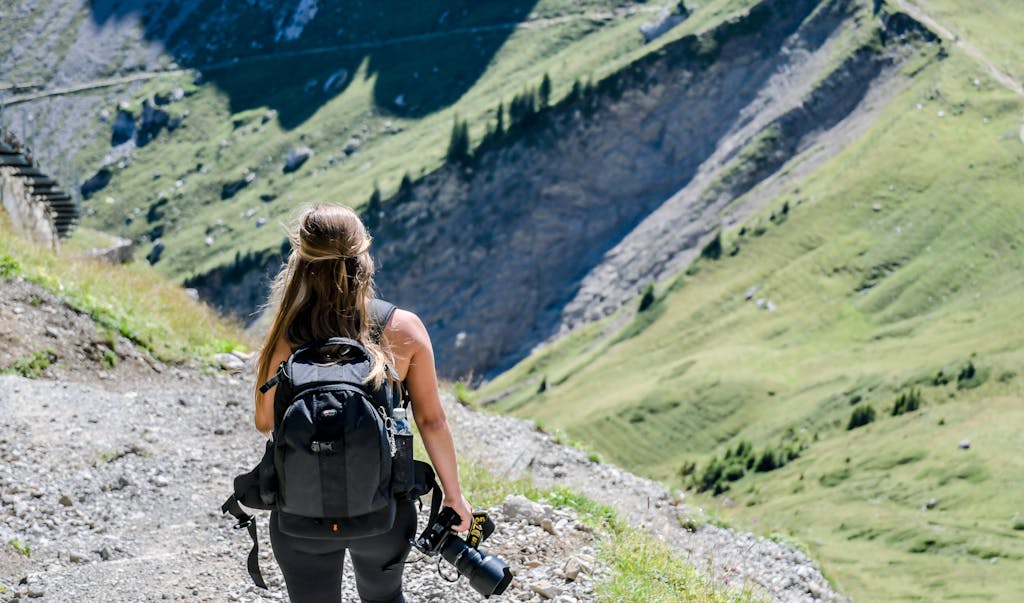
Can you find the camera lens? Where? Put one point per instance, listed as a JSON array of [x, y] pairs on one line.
[[487, 574]]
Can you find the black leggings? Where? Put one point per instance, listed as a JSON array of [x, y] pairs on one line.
[[312, 567]]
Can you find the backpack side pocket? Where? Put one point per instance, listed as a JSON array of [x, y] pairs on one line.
[[401, 465]]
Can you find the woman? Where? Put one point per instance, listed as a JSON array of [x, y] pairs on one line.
[[324, 291]]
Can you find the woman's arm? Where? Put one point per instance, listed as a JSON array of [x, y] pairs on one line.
[[265, 405], [410, 343]]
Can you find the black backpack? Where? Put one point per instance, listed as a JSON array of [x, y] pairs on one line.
[[334, 467]]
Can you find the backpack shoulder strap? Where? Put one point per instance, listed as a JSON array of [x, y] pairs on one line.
[[380, 314]]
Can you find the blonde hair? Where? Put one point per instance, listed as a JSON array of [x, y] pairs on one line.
[[324, 289]]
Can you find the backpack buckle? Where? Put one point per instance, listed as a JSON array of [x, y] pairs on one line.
[[244, 522], [319, 447]]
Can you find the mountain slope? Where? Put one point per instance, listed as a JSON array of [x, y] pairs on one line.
[[897, 266]]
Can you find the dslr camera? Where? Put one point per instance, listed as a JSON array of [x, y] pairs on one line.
[[487, 574]]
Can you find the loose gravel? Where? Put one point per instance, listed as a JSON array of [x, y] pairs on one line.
[[111, 479]]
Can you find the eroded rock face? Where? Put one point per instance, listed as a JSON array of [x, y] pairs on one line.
[[563, 228], [607, 194]]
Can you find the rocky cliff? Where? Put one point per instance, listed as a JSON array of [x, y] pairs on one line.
[[569, 223]]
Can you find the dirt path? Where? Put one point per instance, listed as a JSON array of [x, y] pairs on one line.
[[972, 51]]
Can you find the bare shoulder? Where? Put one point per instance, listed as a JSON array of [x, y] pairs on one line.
[[406, 329]]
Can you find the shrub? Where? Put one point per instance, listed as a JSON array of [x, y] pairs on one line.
[[647, 298], [9, 267], [862, 415], [971, 376], [713, 250], [464, 393], [834, 478], [33, 366], [711, 476], [109, 359], [734, 472], [767, 462], [907, 402]]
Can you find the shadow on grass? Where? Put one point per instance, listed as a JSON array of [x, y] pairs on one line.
[[295, 55]]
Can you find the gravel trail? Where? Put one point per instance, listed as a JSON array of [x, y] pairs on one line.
[[112, 477]]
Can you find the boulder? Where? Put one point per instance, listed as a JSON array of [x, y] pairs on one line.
[[230, 189], [154, 254], [295, 158], [120, 251], [99, 181], [124, 128], [668, 18], [519, 508]]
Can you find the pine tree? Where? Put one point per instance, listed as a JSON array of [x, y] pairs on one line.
[[405, 188], [544, 92], [458, 146]]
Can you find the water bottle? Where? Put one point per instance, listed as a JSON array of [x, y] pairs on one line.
[[401, 464], [401, 423]]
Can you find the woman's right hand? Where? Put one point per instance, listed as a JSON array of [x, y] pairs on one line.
[[461, 506]]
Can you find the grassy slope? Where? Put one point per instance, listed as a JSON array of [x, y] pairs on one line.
[[900, 258], [577, 47], [993, 27], [133, 300], [641, 568]]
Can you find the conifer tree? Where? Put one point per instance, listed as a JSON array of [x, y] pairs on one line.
[[458, 146], [544, 92]]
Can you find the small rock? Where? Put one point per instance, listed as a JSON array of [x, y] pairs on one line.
[[548, 526], [105, 554], [229, 362], [76, 557], [931, 504], [65, 500], [546, 589], [965, 444], [161, 481], [574, 566], [518, 507]]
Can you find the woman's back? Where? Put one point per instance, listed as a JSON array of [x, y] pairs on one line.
[[325, 290]]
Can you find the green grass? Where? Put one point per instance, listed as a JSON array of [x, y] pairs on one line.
[[642, 568], [901, 257], [21, 548], [133, 300], [32, 366], [993, 27]]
